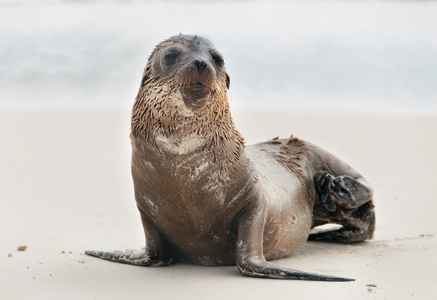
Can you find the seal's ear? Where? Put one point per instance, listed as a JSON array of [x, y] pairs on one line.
[[146, 76], [228, 80]]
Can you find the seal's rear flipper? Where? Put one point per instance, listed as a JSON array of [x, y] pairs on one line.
[[357, 227], [345, 191], [138, 258]]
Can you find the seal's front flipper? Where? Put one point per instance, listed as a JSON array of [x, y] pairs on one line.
[[157, 252], [138, 258], [264, 269], [250, 257]]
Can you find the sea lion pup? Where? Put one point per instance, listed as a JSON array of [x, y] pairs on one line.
[[206, 198]]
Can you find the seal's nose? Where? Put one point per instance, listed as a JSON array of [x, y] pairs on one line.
[[201, 65]]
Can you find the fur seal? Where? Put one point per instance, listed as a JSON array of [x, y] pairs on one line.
[[206, 198]]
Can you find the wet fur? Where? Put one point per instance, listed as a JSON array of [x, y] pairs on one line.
[[204, 197]]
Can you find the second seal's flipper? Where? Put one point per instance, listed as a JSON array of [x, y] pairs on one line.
[[138, 258]]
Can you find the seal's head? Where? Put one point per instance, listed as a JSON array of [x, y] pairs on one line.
[[183, 93], [190, 69]]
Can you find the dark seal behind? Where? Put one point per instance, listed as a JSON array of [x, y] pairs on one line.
[[206, 198]]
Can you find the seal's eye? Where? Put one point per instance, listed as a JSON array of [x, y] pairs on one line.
[[171, 56], [218, 59]]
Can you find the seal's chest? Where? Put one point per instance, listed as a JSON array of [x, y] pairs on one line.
[[200, 191], [181, 145]]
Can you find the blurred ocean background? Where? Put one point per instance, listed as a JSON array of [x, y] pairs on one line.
[[289, 55]]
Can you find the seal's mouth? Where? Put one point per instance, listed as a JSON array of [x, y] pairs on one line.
[[196, 95], [197, 85]]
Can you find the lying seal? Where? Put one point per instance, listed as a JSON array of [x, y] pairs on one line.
[[206, 198]]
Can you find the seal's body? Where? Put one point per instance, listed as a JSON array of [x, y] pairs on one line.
[[206, 198]]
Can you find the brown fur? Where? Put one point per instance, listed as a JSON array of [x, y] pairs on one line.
[[204, 197], [289, 154], [152, 113]]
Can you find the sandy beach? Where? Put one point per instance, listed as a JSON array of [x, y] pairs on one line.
[[354, 77], [66, 187]]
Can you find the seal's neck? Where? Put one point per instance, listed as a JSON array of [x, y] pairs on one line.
[[159, 114]]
